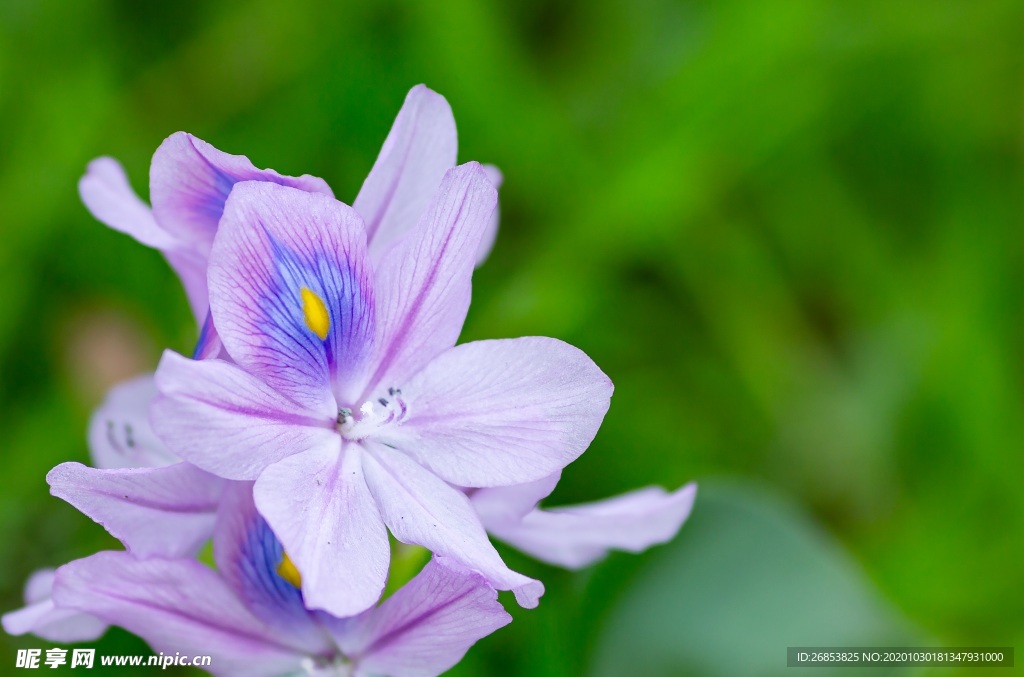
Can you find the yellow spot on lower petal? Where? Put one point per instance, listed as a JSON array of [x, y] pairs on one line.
[[288, 571], [317, 318]]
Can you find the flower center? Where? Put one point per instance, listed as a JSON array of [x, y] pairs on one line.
[[372, 416], [335, 665]]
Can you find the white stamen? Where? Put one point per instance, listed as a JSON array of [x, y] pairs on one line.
[[373, 415]]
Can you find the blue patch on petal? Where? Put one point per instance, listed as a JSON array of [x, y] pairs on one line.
[[261, 555], [337, 285], [206, 335], [211, 202]]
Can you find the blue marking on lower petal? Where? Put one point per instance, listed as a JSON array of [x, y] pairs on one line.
[[261, 555], [205, 335]]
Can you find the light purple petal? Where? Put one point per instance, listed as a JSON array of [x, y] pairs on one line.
[[107, 194], [176, 605], [427, 626], [419, 149], [318, 505], [248, 556], [578, 535], [119, 432], [40, 617], [216, 416], [505, 505], [39, 586], [153, 511], [109, 197], [190, 180], [491, 233], [421, 509], [290, 290], [492, 413], [423, 284]]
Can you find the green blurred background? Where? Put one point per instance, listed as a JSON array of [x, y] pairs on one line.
[[789, 232]]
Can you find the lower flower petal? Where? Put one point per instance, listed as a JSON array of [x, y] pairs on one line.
[[421, 509], [575, 536], [319, 507], [177, 606], [154, 511], [249, 558], [427, 626]]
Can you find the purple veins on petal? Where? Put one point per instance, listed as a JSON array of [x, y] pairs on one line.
[[167, 510], [423, 285], [419, 149], [190, 181], [230, 423], [427, 626]]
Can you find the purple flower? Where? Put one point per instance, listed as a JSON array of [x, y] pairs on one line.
[[578, 535], [190, 182], [194, 180], [348, 402], [249, 614]]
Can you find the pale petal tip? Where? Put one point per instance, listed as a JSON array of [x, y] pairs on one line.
[[494, 175], [14, 623], [528, 596], [104, 164], [57, 474]]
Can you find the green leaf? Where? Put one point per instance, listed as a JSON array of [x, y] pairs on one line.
[[748, 576]]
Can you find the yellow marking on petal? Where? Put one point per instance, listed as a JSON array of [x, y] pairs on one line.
[[317, 318], [288, 571]]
